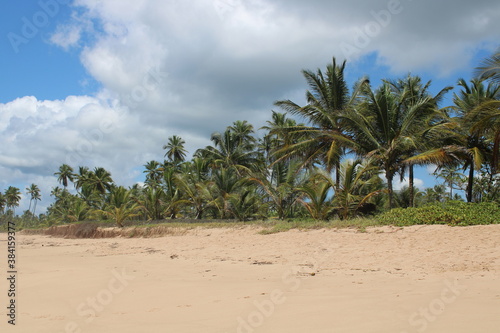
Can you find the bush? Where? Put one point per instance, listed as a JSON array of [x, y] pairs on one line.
[[451, 213]]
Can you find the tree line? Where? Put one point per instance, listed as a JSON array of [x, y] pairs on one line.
[[337, 156]]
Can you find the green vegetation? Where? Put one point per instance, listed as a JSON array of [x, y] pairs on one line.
[[455, 213], [332, 166]]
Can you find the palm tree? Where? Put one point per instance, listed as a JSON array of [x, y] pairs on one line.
[[486, 123], [327, 97], [175, 150], [12, 198], [467, 104], [224, 183], [151, 201], [64, 175], [411, 92], [242, 131], [120, 206], [278, 134], [380, 128], [489, 68], [281, 184], [82, 178], [451, 176], [100, 180], [154, 171], [230, 152], [318, 201], [34, 193]]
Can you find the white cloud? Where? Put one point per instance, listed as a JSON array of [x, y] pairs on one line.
[[66, 36], [398, 184]]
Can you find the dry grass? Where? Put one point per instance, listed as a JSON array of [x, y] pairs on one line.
[[92, 230], [179, 228]]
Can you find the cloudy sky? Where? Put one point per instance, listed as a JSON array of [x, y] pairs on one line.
[[106, 82]]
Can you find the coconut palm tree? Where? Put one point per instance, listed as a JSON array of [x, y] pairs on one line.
[[120, 207], [64, 175], [278, 134], [100, 180], [34, 193], [327, 97], [359, 183], [242, 131], [486, 123], [12, 198], [451, 176], [281, 183], [472, 122], [316, 198], [229, 151], [154, 172], [489, 68], [176, 153], [380, 128], [411, 92]]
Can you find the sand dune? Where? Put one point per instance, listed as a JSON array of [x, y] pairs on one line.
[[401, 280]]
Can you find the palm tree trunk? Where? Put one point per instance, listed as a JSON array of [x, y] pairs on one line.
[[389, 175], [470, 182], [496, 153], [337, 175], [411, 187]]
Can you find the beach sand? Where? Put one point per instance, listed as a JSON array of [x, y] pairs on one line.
[[401, 280]]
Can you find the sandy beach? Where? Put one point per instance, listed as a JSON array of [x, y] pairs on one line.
[[401, 280]]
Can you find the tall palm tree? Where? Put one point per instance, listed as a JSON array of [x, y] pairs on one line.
[[228, 151], [411, 91], [327, 97], [176, 153], [12, 198], [467, 104], [380, 128], [486, 122], [100, 180], [34, 193], [83, 177], [64, 175], [489, 68], [154, 171], [242, 131], [278, 134]]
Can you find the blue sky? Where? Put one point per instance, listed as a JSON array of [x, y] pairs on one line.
[[105, 83]]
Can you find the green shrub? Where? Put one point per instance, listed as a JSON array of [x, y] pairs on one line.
[[451, 213]]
